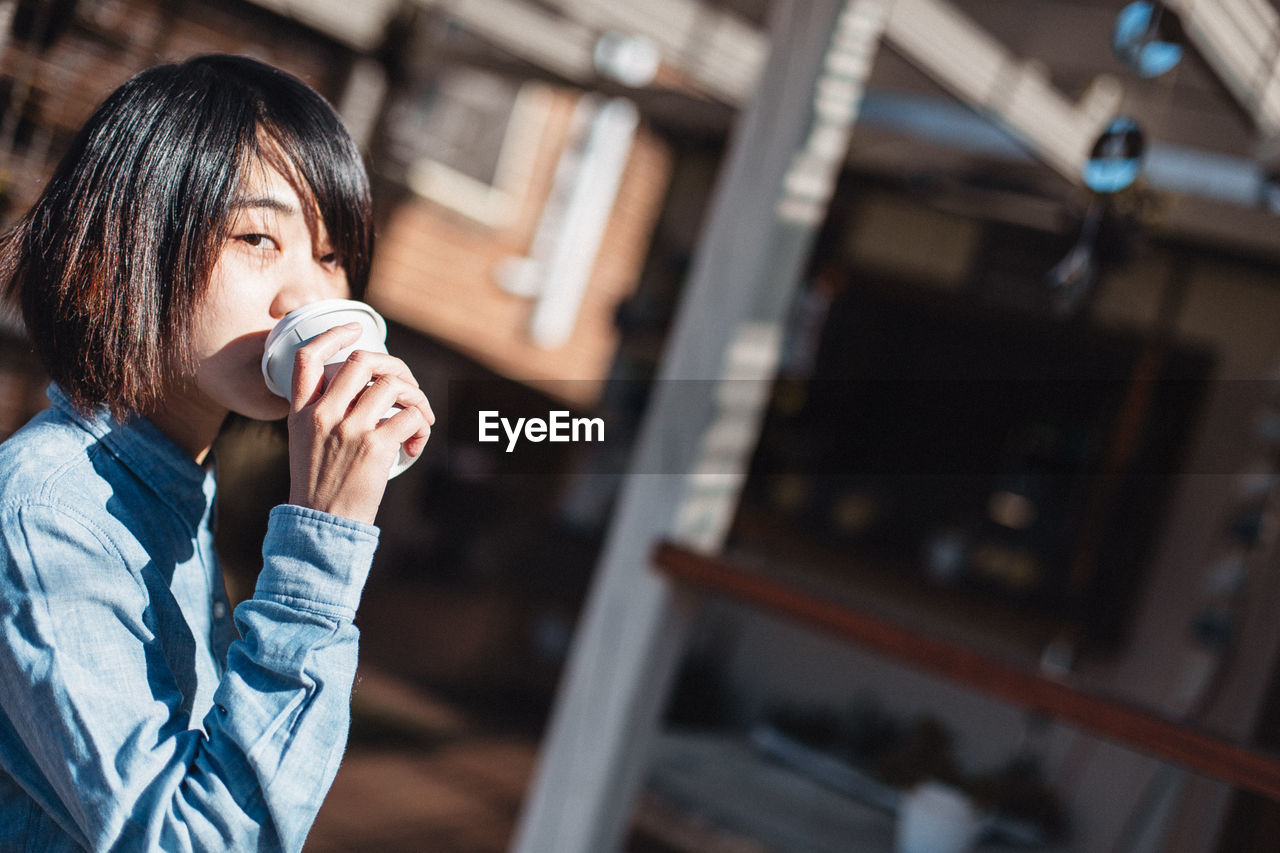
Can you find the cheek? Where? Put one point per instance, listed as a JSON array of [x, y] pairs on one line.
[[341, 285], [230, 333], [236, 306], [215, 333]]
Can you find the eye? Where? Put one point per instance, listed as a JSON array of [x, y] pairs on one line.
[[258, 241], [329, 259]]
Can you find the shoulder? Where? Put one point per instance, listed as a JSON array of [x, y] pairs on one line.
[[50, 460], [56, 500], [56, 478]]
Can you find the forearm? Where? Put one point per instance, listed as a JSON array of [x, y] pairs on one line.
[[284, 702]]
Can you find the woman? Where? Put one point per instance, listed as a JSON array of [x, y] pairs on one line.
[[199, 204]]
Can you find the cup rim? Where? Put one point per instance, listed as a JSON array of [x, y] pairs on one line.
[[311, 310]]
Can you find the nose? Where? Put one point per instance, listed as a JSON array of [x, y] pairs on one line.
[[309, 281]]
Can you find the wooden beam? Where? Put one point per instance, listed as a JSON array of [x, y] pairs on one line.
[[1114, 719], [699, 429]]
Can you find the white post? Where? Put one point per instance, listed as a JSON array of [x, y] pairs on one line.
[[702, 422]]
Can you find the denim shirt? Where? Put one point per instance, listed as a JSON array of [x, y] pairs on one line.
[[132, 716]]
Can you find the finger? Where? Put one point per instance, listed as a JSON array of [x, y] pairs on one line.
[[408, 429], [414, 398], [310, 359], [378, 364], [382, 394], [390, 393], [418, 400], [360, 368], [416, 445]]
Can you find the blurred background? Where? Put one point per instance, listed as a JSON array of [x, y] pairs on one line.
[[1018, 273]]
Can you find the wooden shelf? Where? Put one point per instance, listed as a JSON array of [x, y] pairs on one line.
[[1114, 719], [714, 793], [895, 590]]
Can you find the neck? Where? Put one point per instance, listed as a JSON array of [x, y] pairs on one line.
[[191, 420]]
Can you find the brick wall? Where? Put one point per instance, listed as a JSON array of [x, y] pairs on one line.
[[435, 271]]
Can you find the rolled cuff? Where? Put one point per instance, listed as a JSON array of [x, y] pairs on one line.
[[315, 561]]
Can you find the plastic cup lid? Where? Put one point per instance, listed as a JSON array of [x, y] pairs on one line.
[[302, 324]]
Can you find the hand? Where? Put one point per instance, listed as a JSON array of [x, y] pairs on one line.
[[341, 442]]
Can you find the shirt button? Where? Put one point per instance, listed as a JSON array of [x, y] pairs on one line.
[[219, 610]]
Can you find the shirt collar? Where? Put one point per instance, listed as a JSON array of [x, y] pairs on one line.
[[188, 488]]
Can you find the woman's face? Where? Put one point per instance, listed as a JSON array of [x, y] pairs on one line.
[[268, 266]]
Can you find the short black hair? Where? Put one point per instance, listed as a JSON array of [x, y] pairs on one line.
[[113, 258]]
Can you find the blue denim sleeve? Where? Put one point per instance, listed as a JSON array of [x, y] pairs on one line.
[[95, 734]]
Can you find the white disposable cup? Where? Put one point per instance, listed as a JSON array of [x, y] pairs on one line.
[[302, 324], [936, 818]]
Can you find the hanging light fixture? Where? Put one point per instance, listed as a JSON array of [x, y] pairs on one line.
[[1073, 276], [1114, 164], [1116, 157], [1137, 40]]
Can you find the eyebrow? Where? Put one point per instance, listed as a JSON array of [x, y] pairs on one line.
[[265, 203]]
